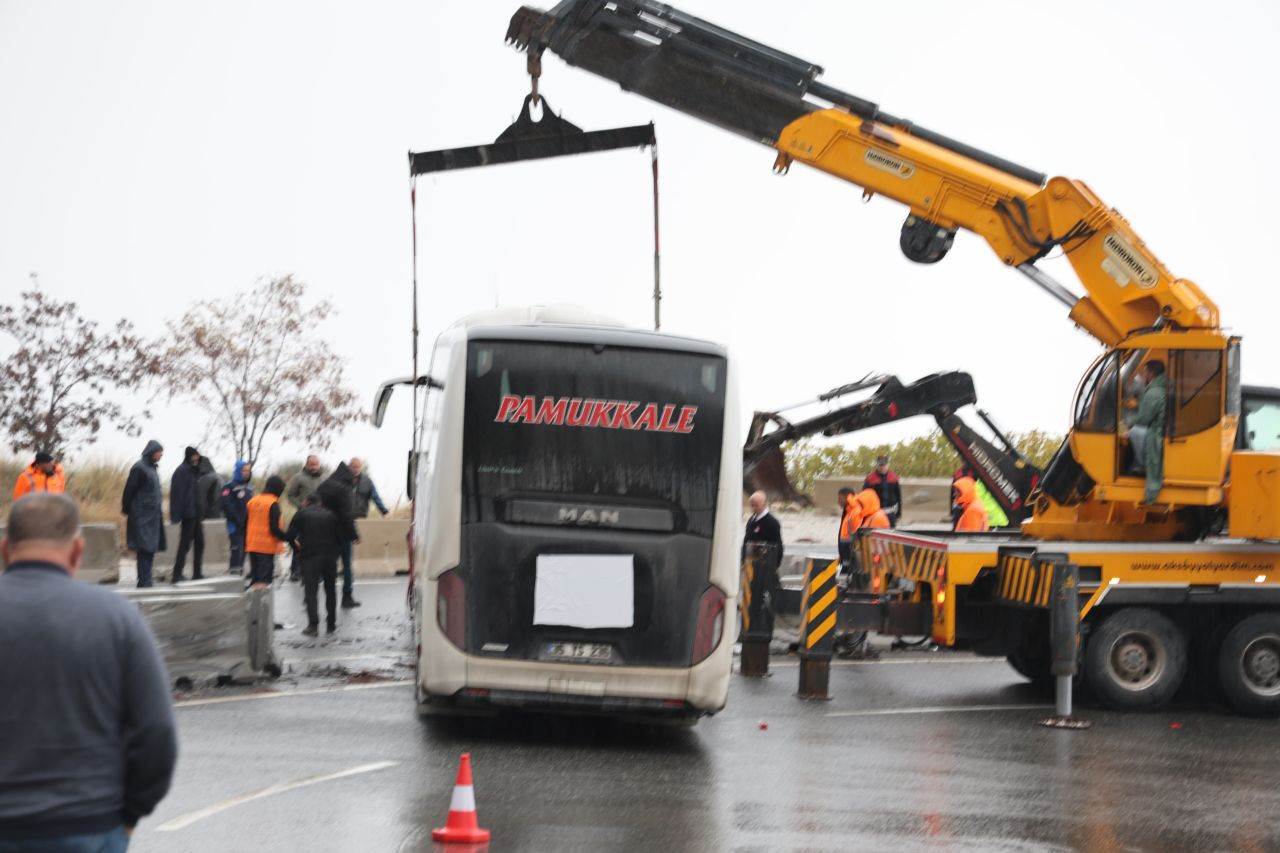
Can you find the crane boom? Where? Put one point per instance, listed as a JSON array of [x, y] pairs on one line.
[[775, 98], [1096, 487]]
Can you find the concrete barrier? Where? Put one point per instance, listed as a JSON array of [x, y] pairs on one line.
[[101, 553], [383, 548], [382, 552], [925, 500], [217, 552], [101, 561], [209, 630]]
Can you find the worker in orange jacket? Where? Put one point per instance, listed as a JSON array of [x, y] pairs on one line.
[[263, 535], [858, 510], [42, 475], [872, 515], [850, 518], [973, 515]]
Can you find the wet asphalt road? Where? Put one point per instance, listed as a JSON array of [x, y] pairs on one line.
[[914, 751]]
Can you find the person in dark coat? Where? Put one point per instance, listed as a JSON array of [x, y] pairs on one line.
[[336, 494], [884, 481], [762, 526], [235, 508], [208, 490], [184, 511], [763, 529], [142, 505], [317, 532]]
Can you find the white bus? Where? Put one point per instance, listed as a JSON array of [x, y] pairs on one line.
[[575, 531]]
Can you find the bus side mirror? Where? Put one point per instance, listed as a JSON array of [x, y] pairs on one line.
[[383, 397]]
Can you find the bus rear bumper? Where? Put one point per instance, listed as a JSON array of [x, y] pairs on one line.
[[483, 701], [448, 675]]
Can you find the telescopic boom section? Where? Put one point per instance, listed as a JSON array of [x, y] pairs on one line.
[[774, 98]]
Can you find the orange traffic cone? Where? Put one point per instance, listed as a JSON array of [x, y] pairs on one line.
[[462, 825]]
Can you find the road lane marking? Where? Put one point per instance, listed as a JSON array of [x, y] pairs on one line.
[[248, 697], [183, 821], [936, 709]]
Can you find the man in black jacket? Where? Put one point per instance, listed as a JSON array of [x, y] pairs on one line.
[[318, 532], [764, 529], [885, 482], [762, 526], [184, 510], [336, 493], [88, 740]]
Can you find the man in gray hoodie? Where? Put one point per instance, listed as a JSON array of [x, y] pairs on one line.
[[88, 740]]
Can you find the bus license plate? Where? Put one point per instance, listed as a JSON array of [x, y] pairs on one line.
[[580, 651]]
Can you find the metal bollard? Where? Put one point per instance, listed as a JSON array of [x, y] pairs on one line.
[[1064, 642], [759, 578], [817, 629]]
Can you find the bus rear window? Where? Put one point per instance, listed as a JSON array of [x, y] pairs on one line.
[[635, 430]]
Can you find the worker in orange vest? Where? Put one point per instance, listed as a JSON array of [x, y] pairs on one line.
[[42, 475], [964, 497], [860, 509], [872, 515], [850, 518], [262, 533]]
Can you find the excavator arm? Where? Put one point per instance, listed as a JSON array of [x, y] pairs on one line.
[[776, 99], [1002, 469]]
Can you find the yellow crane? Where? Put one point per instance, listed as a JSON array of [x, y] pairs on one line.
[[1133, 304], [1152, 593]]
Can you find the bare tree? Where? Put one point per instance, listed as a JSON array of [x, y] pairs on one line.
[[256, 364], [60, 384]]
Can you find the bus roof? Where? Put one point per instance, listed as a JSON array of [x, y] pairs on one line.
[[571, 324], [521, 315]]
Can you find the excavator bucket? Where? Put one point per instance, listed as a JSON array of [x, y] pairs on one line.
[[768, 474]]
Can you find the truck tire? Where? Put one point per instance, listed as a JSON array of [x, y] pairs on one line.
[[1034, 668], [1249, 665], [1136, 659]]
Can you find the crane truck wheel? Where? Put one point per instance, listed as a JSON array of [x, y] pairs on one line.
[[1034, 668], [1249, 665], [1136, 659]]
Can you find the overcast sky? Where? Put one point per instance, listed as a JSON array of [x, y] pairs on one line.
[[153, 153]]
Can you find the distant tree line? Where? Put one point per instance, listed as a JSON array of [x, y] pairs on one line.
[[928, 455]]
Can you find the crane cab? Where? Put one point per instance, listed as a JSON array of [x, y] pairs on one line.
[[1101, 480]]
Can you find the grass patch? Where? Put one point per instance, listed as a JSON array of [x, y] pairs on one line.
[[97, 485]]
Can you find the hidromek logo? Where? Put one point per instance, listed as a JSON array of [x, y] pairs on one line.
[[1138, 268], [605, 414], [885, 163]]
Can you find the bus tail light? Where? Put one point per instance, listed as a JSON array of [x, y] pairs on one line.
[[451, 608], [710, 626]]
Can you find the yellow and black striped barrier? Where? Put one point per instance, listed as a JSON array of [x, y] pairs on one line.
[[1025, 577], [818, 605], [759, 578]]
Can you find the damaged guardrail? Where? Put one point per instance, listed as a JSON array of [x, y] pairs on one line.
[[210, 630]]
